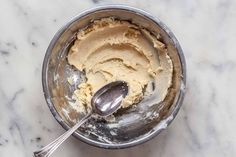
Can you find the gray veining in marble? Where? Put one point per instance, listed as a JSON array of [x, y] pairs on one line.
[[205, 125]]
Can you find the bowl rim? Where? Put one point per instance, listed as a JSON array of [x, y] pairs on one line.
[[158, 128]]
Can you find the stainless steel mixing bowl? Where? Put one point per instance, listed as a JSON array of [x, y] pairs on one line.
[[132, 126]]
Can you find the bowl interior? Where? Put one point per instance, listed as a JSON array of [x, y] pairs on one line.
[[131, 126]]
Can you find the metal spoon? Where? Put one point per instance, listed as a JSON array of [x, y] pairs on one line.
[[104, 102]]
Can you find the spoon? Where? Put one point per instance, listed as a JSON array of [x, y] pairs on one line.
[[104, 102]]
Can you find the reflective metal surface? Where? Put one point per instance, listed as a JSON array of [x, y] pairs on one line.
[[132, 126], [108, 99]]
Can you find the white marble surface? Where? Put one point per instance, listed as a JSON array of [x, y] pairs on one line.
[[205, 125]]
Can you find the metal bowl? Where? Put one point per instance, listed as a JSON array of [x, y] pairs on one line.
[[132, 126]]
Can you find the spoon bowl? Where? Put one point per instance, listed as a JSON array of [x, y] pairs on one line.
[[107, 100]]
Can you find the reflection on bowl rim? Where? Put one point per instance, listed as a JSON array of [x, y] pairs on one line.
[[159, 127]]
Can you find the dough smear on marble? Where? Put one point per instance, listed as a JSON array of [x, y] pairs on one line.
[[110, 50]]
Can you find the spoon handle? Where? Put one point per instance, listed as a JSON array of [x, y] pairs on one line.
[[50, 148]]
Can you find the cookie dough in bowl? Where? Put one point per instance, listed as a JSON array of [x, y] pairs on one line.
[[110, 50], [112, 43]]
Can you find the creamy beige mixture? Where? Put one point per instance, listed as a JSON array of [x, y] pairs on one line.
[[110, 50]]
